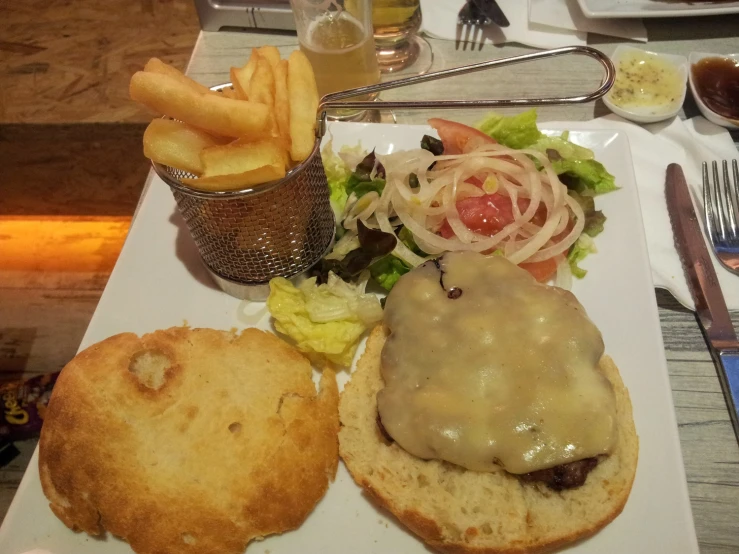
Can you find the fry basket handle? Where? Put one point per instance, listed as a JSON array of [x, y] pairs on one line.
[[334, 100]]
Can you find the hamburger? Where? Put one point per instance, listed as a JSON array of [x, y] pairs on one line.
[[484, 414]]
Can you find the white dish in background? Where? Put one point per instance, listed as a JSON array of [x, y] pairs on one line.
[[652, 8], [707, 112], [159, 282], [657, 112]]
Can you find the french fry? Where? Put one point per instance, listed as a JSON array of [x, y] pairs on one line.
[[274, 144], [271, 54], [242, 156], [240, 76], [212, 113], [177, 144], [256, 176], [262, 87], [303, 100], [155, 65], [231, 93], [282, 104], [262, 83]]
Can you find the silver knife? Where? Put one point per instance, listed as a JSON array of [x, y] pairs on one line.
[[710, 306], [491, 9]]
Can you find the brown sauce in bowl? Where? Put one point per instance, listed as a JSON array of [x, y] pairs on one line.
[[717, 83]]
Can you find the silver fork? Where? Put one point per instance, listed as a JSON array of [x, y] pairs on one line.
[[470, 22], [721, 213]]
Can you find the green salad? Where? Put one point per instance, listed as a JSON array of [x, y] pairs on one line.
[[500, 188]]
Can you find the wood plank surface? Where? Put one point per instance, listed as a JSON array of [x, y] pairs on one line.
[[70, 149], [71, 169], [70, 61]]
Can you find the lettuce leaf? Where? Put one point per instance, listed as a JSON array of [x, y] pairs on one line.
[[561, 148], [337, 174], [574, 164], [406, 237], [578, 252], [587, 177], [517, 131], [594, 223], [369, 175], [325, 321], [386, 271], [372, 244], [594, 219]]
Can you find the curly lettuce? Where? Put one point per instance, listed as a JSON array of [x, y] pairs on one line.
[[514, 131], [584, 246], [338, 174], [325, 321], [386, 271], [574, 164]]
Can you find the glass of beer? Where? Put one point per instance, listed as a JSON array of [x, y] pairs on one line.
[[337, 37], [400, 51]]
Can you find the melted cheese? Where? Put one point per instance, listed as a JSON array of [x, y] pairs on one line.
[[503, 374]]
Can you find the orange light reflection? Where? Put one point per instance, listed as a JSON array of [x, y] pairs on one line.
[[61, 243]]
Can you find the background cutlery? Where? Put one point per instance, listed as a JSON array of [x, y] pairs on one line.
[[721, 212], [713, 317], [491, 9]]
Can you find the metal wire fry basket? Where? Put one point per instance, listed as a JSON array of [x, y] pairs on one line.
[[280, 229], [247, 237]]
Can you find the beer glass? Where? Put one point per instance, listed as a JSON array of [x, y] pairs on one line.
[[400, 51], [337, 38]]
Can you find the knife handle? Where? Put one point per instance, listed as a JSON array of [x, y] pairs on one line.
[[727, 365]]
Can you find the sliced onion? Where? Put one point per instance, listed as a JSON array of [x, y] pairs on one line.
[[424, 209], [362, 209]]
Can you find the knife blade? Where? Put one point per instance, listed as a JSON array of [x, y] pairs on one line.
[[491, 9], [712, 314]]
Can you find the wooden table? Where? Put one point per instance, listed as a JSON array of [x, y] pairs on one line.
[[709, 448]]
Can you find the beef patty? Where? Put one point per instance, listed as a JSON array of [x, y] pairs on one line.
[[558, 478]]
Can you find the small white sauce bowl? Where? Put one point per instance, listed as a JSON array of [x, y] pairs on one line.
[[651, 114], [707, 112]]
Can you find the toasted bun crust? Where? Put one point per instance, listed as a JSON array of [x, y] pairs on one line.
[[459, 511], [206, 441]]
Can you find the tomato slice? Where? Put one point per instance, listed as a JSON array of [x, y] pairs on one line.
[[542, 271], [489, 214], [459, 138]]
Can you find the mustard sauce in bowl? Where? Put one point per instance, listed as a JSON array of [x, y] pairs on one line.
[[649, 87]]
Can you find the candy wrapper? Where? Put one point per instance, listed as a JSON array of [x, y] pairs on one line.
[[24, 408]]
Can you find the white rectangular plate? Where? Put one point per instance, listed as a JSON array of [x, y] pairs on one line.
[[654, 8], [159, 282]]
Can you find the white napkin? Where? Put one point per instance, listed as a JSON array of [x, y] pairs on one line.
[[566, 14], [653, 147], [440, 20]]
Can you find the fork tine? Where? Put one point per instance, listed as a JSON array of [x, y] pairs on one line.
[[730, 205], [716, 194], [464, 20], [467, 31], [708, 210], [483, 22], [477, 38]]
